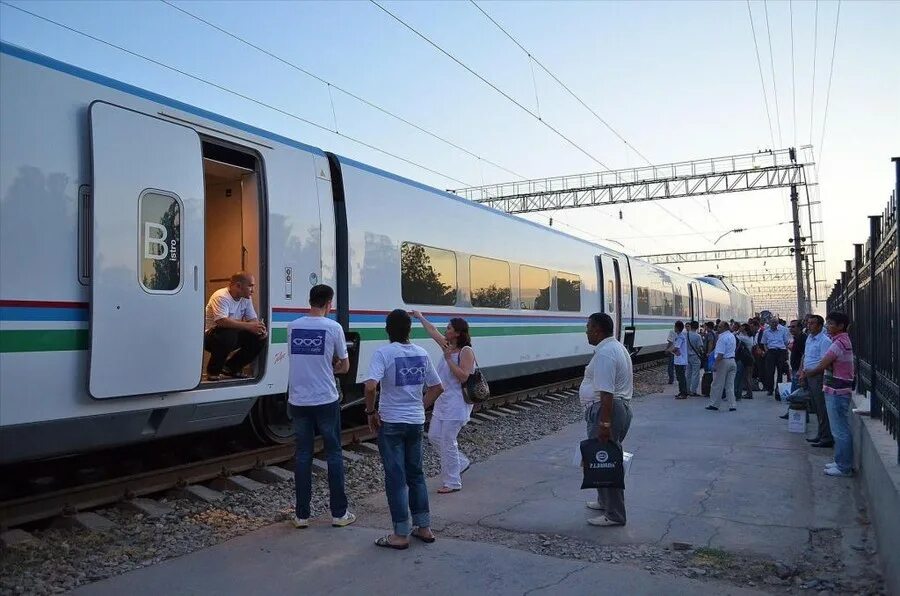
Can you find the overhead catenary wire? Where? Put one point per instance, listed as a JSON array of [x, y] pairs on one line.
[[762, 79], [511, 99], [812, 98], [332, 85], [531, 58], [561, 84], [793, 76], [837, 22], [774, 78], [232, 92]]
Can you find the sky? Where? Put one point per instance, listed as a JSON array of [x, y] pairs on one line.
[[677, 80]]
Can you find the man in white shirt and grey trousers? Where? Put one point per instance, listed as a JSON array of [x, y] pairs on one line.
[[605, 392], [724, 369]]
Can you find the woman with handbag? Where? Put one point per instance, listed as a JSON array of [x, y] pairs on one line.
[[451, 412]]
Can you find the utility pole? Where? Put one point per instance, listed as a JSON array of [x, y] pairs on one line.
[[798, 254]]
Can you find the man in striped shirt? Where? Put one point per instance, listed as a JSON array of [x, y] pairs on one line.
[[837, 364]]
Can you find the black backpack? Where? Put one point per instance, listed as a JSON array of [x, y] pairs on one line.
[[742, 353]]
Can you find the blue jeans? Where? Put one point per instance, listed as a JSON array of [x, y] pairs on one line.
[[671, 368], [838, 407], [327, 418], [400, 446]]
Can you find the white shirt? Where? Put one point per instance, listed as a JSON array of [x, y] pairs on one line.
[[402, 370], [609, 370], [726, 344], [314, 342], [777, 339], [671, 337], [681, 359], [816, 346], [222, 306], [451, 405]]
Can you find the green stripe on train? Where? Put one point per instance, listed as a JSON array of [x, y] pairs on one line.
[[279, 334], [43, 340], [61, 340]]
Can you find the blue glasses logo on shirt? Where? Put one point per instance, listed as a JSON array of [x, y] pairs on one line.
[[410, 370], [308, 342]]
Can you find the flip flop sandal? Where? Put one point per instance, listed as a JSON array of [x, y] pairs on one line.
[[385, 541], [444, 490], [425, 539]]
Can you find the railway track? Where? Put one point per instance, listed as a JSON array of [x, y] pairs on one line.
[[16, 512]]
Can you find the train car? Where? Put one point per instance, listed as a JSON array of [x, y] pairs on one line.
[[123, 210]]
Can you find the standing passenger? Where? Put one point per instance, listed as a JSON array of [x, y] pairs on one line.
[[745, 336], [451, 412], [680, 353], [837, 364], [608, 414], [723, 369], [404, 371], [817, 343], [695, 358], [318, 353], [775, 339], [670, 355]]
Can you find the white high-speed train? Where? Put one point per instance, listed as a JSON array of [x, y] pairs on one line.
[[123, 210]]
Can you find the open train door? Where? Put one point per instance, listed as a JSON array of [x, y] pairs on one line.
[[147, 265], [611, 280]]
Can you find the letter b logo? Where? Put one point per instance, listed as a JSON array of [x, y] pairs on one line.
[[155, 246]]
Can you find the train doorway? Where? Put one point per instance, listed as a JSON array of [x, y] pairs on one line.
[[611, 281]]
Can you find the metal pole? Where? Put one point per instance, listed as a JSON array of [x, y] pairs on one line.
[[798, 253], [874, 242]]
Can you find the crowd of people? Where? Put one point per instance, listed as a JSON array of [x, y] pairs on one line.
[[723, 360], [737, 359]]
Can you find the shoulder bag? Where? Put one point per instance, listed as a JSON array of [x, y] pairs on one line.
[[475, 389]]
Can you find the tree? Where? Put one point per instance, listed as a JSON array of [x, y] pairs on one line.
[[491, 296], [420, 283], [167, 272]]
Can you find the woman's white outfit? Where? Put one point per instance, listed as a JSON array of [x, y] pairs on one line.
[[450, 414]]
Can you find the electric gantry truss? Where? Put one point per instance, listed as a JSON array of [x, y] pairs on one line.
[[731, 254], [718, 175]]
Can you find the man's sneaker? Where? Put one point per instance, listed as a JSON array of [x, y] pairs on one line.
[[711, 408], [836, 471], [595, 505], [831, 465], [345, 520], [300, 523]]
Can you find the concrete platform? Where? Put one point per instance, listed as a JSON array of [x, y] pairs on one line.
[[736, 481]]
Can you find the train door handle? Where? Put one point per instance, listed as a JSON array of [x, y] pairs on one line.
[[195, 278]]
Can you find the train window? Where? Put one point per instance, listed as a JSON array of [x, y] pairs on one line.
[[610, 296], [661, 297], [489, 282], [680, 302], [427, 275], [643, 300], [568, 292], [534, 288], [160, 240]]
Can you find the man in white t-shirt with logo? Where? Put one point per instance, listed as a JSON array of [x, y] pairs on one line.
[[404, 372], [232, 324], [606, 392], [318, 353]]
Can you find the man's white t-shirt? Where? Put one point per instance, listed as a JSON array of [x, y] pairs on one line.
[[402, 370], [612, 372], [222, 306], [314, 344]]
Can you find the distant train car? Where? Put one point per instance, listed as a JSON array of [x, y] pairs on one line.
[[122, 211]]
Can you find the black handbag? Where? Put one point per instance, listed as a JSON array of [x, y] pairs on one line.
[[476, 390], [602, 463]]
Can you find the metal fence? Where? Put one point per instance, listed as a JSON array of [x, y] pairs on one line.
[[869, 293]]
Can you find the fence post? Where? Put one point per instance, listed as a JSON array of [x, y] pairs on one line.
[[874, 241]]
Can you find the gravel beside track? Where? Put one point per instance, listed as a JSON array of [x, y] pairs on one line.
[[65, 558]]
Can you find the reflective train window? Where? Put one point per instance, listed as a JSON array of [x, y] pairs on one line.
[[680, 303], [489, 283], [643, 300], [534, 288], [160, 240], [568, 292], [428, 275]]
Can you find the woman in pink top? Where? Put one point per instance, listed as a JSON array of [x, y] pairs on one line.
[[837, 364]]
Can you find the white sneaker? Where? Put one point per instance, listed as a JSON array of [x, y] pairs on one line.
[[830, 465], [595, 505], [837, 472], [345, 520], [300, 523]]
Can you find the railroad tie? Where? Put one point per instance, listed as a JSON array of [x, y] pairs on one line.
[[198, 492], [517, 407], [505, 409], [146, 507], [271, 475], [236, 483], [474, 420], [350, 456], [84, 521], [485, 416], [540, 401]]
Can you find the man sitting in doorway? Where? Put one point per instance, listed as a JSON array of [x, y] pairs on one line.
[[232, 324]]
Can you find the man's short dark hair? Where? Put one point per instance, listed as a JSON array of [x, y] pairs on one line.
[[695, 325], [241, 277], [320, 295], [602, 321], [817, 318], [679, 325], [398, 324], [839, 318]]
